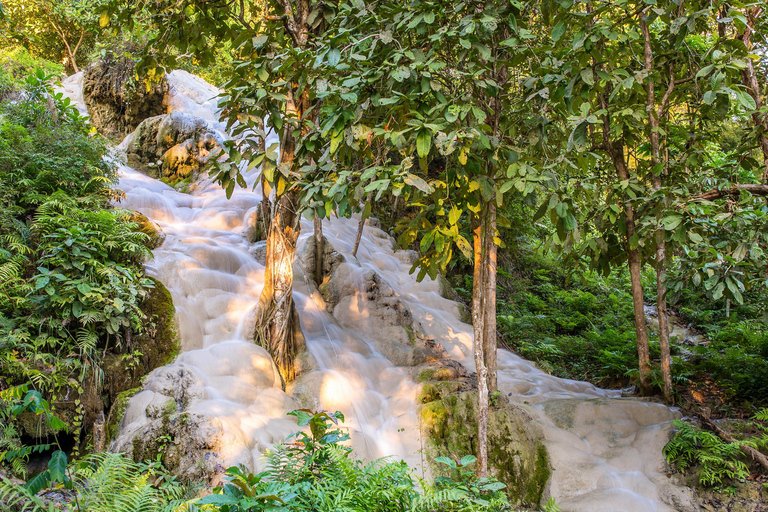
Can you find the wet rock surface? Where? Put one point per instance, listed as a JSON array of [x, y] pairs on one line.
[[174, 146]]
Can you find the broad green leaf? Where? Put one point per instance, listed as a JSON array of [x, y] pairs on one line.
[[558, 31], [58, 466], [423, 143], [453, 217]]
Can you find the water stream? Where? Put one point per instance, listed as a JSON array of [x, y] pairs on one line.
[[605, 450]]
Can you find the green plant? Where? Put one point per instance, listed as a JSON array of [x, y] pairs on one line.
[[716, 460], [104, 482], [463, 492]]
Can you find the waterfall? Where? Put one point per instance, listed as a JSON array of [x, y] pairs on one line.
[[605, 450]]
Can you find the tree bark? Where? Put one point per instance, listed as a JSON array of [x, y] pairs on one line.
[[275, 316], [661, 245], [750, 81], [478, 321], [359, 237], [319, 249], [489, 296], [275, 312], [616, 150]]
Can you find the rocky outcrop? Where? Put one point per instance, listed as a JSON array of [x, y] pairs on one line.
[[516, 452], [174, 146], [117, 103]]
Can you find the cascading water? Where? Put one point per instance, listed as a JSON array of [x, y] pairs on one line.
[[605, 451]]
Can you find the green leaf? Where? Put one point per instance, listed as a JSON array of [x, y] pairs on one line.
[[558, 31], [366, 211], [705, 71], [58, 466], [746, 100], [334, 55], [588, 76], [423, 143], [671, 222], [84, 288]]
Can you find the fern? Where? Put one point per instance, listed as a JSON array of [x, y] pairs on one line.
[[718, 460]]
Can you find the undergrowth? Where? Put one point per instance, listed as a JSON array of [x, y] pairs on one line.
[[71, 279], [714, 462]]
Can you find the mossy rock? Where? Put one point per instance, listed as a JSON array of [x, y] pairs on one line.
[[149, 228], [516, 453], [117, 412], [123, 372]]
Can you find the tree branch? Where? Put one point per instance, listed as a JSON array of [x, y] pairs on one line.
[[734, 191]]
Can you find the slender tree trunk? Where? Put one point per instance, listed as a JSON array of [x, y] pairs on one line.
[[616, 150], [319, 249], [359, 237], [361, 226], [661, 245], [266, 190], [478, 321], [489, 296], [750, 81], [275, 315]]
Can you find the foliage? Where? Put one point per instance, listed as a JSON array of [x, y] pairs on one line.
[[16, 64], [317, 472], [70, 274], [15, 401], [717, 461], [54, 30], [107, 482]]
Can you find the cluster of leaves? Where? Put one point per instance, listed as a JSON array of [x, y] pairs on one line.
[[573, 327], [16, 65], [15, 401], [107, 482], [715, 461], [70, 274], [316, 472]]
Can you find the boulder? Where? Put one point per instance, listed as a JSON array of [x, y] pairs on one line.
[[173, 146], [117, 103], [516, 452]]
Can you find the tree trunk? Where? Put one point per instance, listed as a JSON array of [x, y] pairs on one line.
[[478, 321], [661, 245], [661, 308], [361, 226], [319, 249], [266, 190], [750, 80], [616, 150], [359, 237], [489, 296], [275, 312], [480, 299]]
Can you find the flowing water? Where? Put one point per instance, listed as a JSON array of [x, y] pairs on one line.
[[605, 450]]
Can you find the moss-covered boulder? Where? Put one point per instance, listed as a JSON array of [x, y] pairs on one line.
[[149, 228], [117, 103], [516, 453], [124, 369]]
